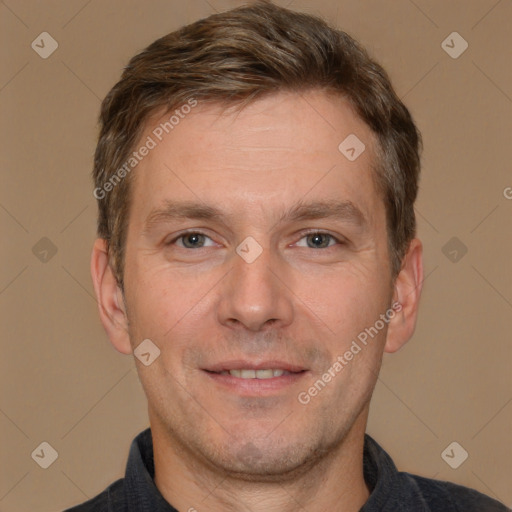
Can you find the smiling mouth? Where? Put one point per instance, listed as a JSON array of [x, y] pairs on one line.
[[261, 370], [268, 373], [250, 379]]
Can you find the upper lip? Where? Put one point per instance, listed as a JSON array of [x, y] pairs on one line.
[[240, 364]]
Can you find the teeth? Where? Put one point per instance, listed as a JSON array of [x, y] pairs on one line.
[[257, 374], [264, 374]]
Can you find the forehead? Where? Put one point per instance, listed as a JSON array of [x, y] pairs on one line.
[[275, 151]]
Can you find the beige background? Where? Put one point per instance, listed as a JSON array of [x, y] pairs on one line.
[[62, 382]]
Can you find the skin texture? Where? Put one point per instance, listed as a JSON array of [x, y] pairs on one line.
[[223, 446]]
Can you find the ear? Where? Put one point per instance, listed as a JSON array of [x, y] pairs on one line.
[[110, 298], [406, 297]]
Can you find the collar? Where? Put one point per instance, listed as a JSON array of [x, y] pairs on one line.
[[141, 493]]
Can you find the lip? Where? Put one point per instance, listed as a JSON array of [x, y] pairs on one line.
[[255, 387], [240, 364]]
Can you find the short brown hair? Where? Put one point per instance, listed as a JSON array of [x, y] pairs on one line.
[[235, 57]]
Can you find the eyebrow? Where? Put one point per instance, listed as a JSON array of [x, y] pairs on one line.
[[335, 209], [344, 210]]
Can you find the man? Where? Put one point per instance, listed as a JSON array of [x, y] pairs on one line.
[[256, 176]]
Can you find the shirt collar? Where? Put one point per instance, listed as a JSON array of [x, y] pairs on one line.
[[379, 473], [142, 495]]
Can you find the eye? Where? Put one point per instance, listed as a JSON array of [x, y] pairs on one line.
[[191, 240], [319, 240]]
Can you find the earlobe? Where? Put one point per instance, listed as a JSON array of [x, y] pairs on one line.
[[110, 299], [408, 286]]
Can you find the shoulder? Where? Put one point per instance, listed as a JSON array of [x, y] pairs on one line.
[[440, 495], [112, 499]]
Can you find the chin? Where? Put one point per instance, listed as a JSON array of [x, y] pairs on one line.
[[249, 461]]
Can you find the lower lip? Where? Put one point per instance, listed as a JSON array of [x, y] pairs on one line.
[[256, 387]]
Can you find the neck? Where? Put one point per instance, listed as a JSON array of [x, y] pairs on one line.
[[334, 482]]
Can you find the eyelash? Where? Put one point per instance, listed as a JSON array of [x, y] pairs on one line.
[[304, 235]]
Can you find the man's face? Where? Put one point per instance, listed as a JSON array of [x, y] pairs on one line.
[[219, 310]]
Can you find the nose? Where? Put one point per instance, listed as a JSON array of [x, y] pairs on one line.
[[256, 295]]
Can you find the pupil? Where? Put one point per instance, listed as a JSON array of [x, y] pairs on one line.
[[317, 240], [193, 239]]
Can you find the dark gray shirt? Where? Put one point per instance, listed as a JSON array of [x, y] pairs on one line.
[[391, 490]]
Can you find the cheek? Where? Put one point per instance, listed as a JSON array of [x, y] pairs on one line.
[[346, 300], [159, 298], [152, 307], [172, 312]]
